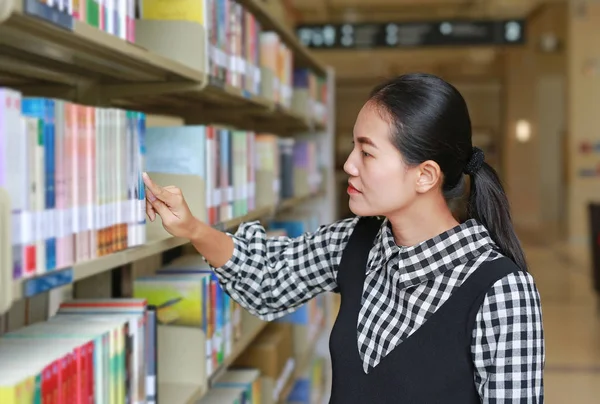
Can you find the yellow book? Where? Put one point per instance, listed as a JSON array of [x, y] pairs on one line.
[[8, 395], [17, 388], [182, 10]]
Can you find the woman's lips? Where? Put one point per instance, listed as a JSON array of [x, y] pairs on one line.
[[352, 189]]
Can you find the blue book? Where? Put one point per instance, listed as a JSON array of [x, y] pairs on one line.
[[176, 150], [226, 175], [43, 109], [143, 150]]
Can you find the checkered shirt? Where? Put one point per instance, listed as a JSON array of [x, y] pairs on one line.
[[271, 277]]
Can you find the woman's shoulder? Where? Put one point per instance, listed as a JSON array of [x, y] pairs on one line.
[[514, 284]]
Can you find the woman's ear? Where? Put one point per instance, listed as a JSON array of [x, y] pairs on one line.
[[429, 175]]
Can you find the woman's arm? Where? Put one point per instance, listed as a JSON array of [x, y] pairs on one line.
[[508, 343], [269, 277]]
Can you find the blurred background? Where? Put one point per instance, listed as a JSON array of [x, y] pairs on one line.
[[532, 89]]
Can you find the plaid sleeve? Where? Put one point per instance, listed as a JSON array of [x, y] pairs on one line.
[[271, 277], [508, 343]]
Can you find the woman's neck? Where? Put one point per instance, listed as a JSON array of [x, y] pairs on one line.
[[413, 226]]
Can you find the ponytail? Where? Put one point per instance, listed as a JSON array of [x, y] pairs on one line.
[[488, 204]]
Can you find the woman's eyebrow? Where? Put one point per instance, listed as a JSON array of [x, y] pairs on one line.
[[365, 140]]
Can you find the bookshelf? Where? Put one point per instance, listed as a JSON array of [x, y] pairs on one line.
[[25, 288], [48, 53], [43, 56], [302, 56], [159, 74]]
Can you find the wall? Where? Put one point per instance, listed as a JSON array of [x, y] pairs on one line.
[[584, 113], [483, 100], [529, 168]]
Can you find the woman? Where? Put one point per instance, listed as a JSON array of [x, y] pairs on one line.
[[432, 310]]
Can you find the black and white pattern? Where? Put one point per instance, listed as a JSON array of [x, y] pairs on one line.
[[271, 277]]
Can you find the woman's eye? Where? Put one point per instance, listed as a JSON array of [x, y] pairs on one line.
[[365, 154]]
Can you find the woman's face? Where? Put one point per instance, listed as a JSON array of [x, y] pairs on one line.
[[380, 183]]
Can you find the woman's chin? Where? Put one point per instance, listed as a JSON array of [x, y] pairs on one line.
[[359, 209]]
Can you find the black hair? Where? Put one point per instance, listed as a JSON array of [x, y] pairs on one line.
[[430, 121]]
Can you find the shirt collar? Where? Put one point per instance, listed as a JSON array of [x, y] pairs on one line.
[[422, 262]]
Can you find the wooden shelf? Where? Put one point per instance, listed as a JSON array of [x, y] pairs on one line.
[[34, 52], [302, 56], [179, 393], [24, 288], [80, 63]]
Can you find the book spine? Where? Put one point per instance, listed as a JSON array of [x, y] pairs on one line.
[[60, 183], [131, 181], [209, 175], [131, 20], [215, 194], [141, 208], [29, 232], [223, 175], [51, 252], [230, 173], [251, 171], [15, 181], [92, 180], [40, 222]]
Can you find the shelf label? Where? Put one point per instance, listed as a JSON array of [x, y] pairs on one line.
[[48, 13], [46, 282]]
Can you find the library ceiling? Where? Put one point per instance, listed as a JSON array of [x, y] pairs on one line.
[[321, 11], [355, 63]]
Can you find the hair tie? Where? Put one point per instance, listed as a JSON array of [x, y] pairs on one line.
[[475, 162]]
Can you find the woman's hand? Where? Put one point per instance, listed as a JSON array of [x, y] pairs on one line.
[[169, 204]]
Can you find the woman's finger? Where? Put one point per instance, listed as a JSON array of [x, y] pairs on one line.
[[156, 191], [150, 211], [160, 208]]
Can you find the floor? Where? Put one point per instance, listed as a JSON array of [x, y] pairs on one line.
[[571, 323]]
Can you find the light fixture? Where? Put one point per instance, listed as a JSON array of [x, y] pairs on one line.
[[523, 130], [549, 43]]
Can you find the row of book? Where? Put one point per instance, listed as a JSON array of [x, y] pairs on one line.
[[106, 350], [116, 17], [91, 351], [317, 94], [236, 45], [73, 173], [187, 293], [239, 170], [74, 176]]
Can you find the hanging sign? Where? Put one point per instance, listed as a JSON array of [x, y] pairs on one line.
[[412, 34]]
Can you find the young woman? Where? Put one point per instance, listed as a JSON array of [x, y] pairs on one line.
[[432, 310]]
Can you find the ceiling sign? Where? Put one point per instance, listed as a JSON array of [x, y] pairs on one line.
[[412, 34]]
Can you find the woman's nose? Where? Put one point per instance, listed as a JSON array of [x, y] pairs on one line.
[[350, 167]]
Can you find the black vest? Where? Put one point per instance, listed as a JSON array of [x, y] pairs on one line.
[[434, 365]]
